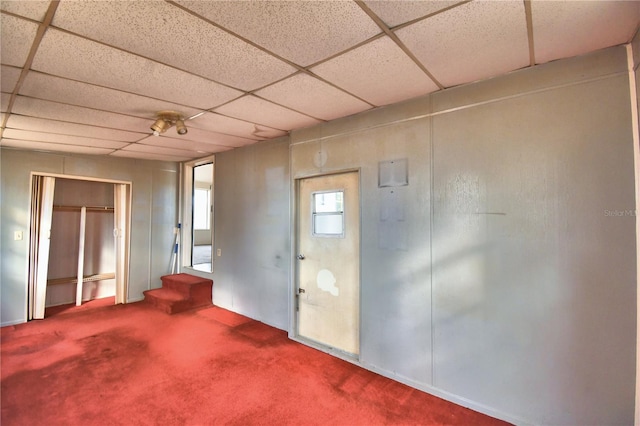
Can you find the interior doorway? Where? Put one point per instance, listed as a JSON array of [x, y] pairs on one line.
[[328, 261], [202, 220], [79, 241]]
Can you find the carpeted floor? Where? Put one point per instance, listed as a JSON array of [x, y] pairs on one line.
[[133, 365]]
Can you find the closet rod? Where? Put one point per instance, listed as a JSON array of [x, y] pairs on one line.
[[78, 208], [85, 279]]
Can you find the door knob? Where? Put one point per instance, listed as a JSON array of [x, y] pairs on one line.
[[300, 256]]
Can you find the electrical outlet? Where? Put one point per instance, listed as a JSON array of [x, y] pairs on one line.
[[219, 252], [17, 235]]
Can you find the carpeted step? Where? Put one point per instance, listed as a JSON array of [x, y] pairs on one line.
[[167, 300], [195, 288], [180, 292]]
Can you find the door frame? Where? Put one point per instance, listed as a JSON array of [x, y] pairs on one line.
[[122, 256], [293, 281], [185, 214]]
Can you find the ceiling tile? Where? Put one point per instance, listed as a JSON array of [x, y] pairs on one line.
[[61, 139], [16, 39], [198, 147], [313, 97], [307, 31], [475, 41], [263, 112], [394, 13], [74, 114], [198, 135], [565, 29], [168, 34], [9, 78], [4, 101], [72, 92], [33, 9], [379, 72], [149, 156], [232, 126], [156, 149], [23, 122], [76, 58], [55, 147]]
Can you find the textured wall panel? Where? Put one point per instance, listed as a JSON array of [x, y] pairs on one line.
[[534, 255], [395, 248], [252, 231]]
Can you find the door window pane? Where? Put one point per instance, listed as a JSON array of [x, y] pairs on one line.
[[328, 202], [328, 214], [328, 224]]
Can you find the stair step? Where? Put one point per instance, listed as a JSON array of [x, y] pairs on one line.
[[167, 300], [180, 292], [188, 285]]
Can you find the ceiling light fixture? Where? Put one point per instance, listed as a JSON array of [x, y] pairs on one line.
[[160, 126], [180, 127], [167, 119]]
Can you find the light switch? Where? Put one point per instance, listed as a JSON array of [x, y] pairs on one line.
[[219, 252], [17, 235]]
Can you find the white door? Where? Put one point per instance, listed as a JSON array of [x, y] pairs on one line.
[[328, 265], [44, 214], [121, 233]]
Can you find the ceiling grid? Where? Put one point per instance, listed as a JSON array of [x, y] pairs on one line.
[[89, 76]]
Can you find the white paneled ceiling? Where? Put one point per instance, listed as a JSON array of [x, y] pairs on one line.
[[89, 76]]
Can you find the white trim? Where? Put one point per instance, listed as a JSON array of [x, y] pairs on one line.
[[122, 284], [45, 217], [635, 130], [81, 241], [79, 177], [186, 215]]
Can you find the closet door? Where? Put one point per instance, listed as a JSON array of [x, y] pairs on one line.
[[121, 234], [42, 212]]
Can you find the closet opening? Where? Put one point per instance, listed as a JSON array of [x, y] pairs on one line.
[[79, 243]]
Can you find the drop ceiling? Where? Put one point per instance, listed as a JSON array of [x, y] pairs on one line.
[[88, 76]]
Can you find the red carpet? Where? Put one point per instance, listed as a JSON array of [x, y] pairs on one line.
[[134, 365]]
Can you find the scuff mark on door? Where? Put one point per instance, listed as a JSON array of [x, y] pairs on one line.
[[327, 282]]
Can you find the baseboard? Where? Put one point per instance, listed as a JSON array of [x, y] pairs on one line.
[[12, 322], [473, 405], [447, 396]]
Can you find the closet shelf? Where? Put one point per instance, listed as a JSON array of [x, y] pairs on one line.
[[89, 208], [85, 279]]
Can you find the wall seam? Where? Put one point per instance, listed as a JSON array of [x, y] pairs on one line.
[[431, 210]]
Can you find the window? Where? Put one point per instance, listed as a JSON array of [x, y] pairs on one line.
[[328, 214], [202, 208]]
